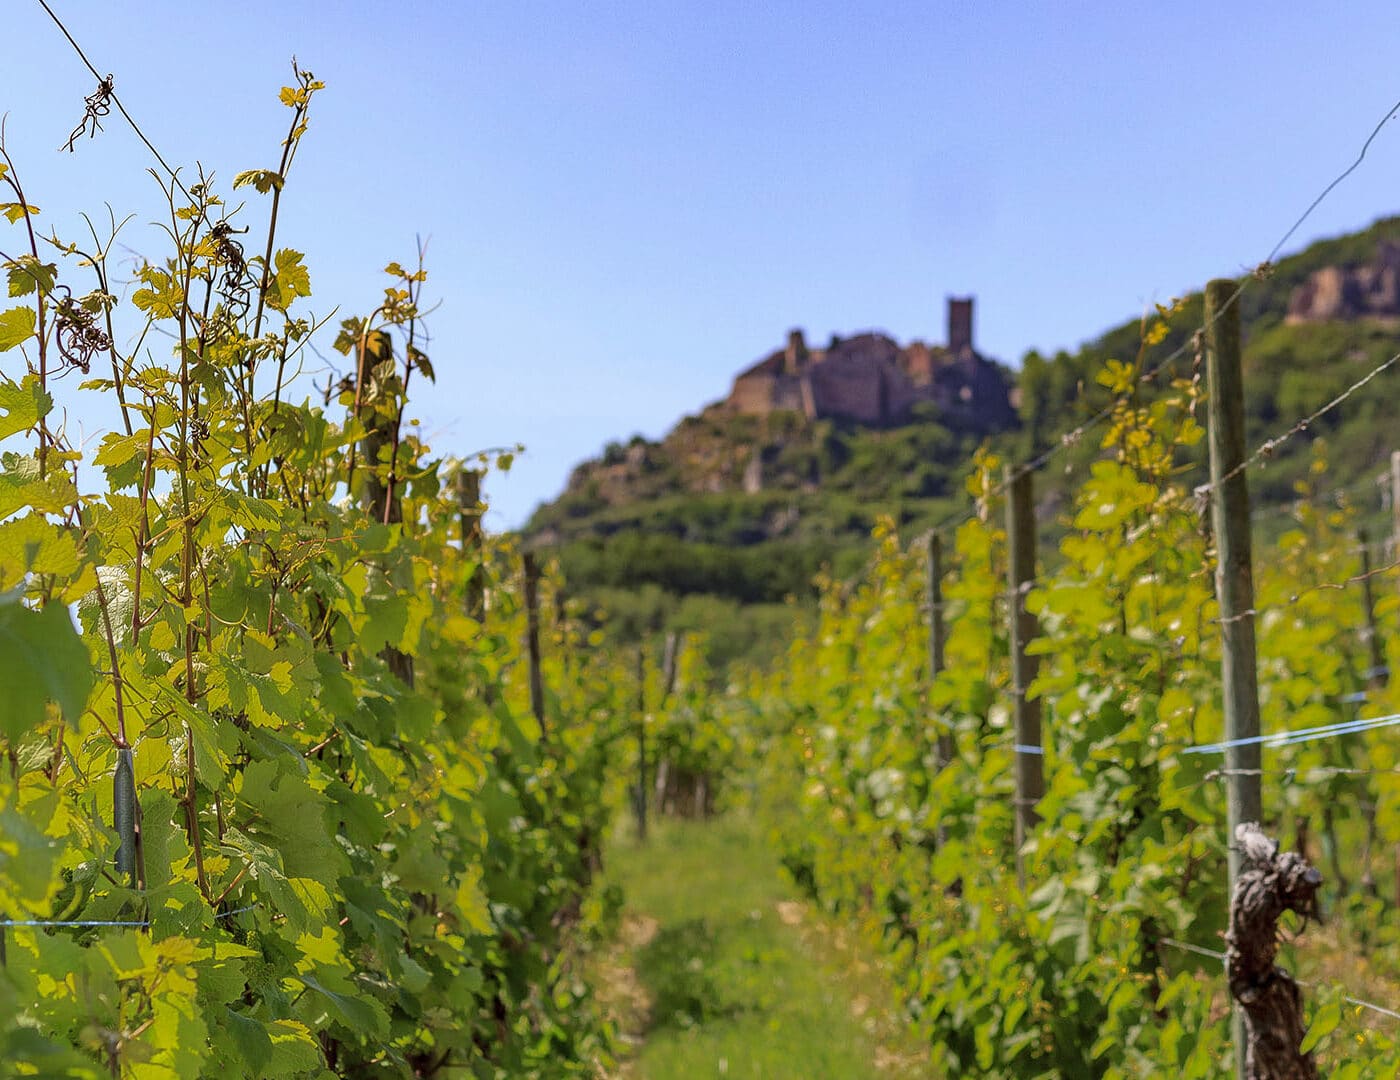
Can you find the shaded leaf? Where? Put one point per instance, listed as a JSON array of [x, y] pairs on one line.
[[42, 659]]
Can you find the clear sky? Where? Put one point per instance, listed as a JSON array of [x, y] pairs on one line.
[[629, 202]]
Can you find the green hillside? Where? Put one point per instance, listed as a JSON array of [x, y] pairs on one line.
[[669, 534]]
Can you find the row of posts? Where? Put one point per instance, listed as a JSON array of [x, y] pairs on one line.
[[1234, 588], [536, 679]]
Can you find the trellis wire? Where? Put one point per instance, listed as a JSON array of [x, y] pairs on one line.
[[133, 924], [1214, 954], [1288, 738], [1315, 772], [1274, 739], [107, 85]]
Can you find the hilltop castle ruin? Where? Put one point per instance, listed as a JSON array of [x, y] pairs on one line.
[[871, 380]]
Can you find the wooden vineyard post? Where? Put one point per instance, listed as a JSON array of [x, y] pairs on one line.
[[661, 778], [943, 744], [469, 505], [379, 496], [1234, 577], [641, 744], [1394, 505], [1395, 556], [1029, 753], [532, 640], [669, 660], [1375, 680], [1376, 676]]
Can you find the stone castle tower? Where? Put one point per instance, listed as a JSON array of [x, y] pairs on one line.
[[959, 325]]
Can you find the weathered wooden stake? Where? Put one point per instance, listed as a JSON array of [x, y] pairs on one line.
[[943, 743], [380, 496], [662, 777], [532, 640], [1234, 575], [1395, 555], [1269, 1000], [669, 659], [641, 744], [1376, 677], [469, 505], [936, 636], [1030, 775], [1395, 504]]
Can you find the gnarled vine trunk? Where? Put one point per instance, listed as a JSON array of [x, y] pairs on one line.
[[1269, 884]]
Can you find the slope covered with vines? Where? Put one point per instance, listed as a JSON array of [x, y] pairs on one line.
[[1088, 961]]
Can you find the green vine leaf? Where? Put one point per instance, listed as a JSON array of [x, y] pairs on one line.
[[42, 659], [22, 405], [27, 274], [263, 180], [1324, 1022], [16, 327]]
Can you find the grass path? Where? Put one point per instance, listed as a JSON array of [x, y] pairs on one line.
[[721, 970]]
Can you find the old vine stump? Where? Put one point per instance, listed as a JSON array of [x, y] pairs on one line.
[[1269, 884]]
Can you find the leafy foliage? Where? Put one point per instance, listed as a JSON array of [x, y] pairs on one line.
[[357, 854], [1075, 971]]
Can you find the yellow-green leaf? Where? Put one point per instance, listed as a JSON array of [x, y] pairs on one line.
[[16, 327], [1323, 1024], [22, 405]]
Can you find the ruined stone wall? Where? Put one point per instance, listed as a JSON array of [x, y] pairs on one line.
[[847, 391], [758, 393], [918, 363], [875, 394], [753, 393], [974, 394]]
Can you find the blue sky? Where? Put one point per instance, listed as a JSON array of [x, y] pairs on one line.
[[627, 203]]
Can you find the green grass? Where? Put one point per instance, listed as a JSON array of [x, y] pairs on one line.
[[720, 970]]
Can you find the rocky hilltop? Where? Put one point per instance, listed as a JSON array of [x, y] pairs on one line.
[[794, 419], [1367, 290]]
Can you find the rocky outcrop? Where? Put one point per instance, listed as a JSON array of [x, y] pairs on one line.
[[1351, 292], [870, 379]]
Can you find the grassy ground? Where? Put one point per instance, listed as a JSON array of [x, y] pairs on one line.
[[720, 970]]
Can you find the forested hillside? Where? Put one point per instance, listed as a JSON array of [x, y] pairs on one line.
[[670, 534]]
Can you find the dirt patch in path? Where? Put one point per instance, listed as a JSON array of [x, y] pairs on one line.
[[621, 993]]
